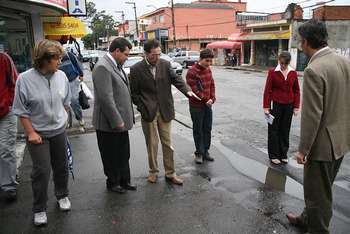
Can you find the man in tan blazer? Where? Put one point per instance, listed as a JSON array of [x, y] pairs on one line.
[[151, 81], [325, 125]]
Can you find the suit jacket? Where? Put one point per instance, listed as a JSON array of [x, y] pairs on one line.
[[151, 95], [113, 104], [325, 125]]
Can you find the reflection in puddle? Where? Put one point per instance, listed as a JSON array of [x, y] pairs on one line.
[[262, 173]]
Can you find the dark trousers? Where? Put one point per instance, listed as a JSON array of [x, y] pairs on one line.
[[202, 120], [318, 180], [278, 132], [51, 153], [115, 153]]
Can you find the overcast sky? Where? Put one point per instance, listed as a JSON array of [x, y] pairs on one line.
[[144, 6]]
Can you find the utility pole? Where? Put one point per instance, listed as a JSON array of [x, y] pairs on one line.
[[173, 23], [137, 26], [123, 20]]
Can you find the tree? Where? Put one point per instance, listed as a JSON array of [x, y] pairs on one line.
[[102, 25], [88, 41]]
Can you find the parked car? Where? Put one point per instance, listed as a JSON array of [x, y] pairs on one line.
[[93, 60], [130, 62], [172, 54], [177, 67], [88, 54], [85, 55], [187, 58]]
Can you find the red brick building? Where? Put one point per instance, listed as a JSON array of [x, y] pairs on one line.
[[196, 24], [332, 13]]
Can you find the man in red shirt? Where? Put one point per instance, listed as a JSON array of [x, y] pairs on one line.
[[8, 127], [200, 79]]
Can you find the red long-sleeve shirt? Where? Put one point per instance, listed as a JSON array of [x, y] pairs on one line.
[[202, 84], [281, 90], [8, 77]]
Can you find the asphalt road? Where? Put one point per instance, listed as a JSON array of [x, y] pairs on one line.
[[239, 193]]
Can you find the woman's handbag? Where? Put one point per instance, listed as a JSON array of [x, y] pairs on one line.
[[83, 99]]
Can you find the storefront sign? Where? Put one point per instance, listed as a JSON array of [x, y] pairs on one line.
[[77, 7], [151, 35], [62, 3], [163, 33], [66, 26], [57, 3]]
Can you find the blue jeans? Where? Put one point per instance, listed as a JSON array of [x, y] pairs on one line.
[[202, 120], [8, 134], [75, 88]]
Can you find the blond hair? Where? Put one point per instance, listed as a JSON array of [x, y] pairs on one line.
[[46, 50]]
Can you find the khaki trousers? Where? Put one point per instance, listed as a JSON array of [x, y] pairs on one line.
[[151, 131], [318, 180]]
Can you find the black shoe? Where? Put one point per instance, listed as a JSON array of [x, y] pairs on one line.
[[198, 158], [130, 187], [117, 189], [208, 158], [11, 195]]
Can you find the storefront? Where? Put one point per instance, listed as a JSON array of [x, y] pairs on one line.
[[159, 34], [21, 26]]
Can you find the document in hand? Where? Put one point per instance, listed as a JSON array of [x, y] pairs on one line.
[[269, 118]]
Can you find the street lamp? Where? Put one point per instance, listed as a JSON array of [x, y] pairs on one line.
[[137, 26], [173, 22], [123, 20]]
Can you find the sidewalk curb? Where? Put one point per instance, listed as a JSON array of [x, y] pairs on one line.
[[300, 74]]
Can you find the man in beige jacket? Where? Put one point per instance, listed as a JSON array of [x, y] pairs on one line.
[[325, 125]]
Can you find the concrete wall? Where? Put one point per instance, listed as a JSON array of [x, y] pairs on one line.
[[339, 36]]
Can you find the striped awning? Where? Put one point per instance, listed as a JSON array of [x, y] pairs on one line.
[[255, 36]]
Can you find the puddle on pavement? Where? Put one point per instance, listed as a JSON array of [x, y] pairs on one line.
[[258, 171]]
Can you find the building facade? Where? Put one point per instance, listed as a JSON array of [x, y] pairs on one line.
[[265, 37], [196, 24], [337, 20]]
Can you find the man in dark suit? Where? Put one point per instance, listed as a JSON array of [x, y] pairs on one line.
[[325, 125], [113, 115], [151, 81]]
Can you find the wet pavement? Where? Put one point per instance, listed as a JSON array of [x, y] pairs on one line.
[[239, 193], [216, 197]]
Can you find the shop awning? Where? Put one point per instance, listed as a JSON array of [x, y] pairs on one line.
[[234, 36], [265, 36], [224, 45], [64, 26]]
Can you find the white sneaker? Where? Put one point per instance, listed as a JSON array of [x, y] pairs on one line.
[[81, 122], [64, 204], [81, 129], [40, 218]]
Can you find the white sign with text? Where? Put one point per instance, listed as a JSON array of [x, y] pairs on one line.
[[76, 7]]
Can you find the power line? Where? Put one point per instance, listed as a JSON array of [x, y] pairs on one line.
[[201, 25], [278, 7]]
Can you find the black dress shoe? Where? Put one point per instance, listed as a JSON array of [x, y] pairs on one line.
[[208, 158], [117, 189], [130, 187], [11, 195]]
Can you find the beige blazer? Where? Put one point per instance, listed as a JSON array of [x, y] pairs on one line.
[[325, 116]]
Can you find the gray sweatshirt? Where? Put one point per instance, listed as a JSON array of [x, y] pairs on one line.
[[42, 100]]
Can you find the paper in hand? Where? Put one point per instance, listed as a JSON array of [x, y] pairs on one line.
[[269, 118], [196, 97]]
